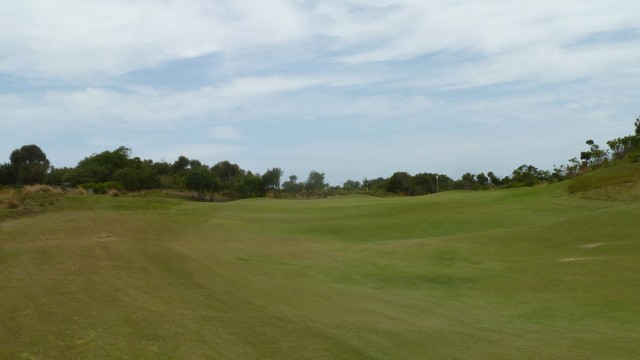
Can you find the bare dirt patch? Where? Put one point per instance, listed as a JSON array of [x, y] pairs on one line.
[[577, 259]]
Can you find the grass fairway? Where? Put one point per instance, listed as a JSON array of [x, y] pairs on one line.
[[512, 274]]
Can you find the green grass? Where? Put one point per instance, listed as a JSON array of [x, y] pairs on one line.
[[620, 181], [531, 273]]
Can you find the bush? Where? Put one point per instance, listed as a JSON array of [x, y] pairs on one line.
[[32, 189], [12, 203], [75, 191], [103, 187]]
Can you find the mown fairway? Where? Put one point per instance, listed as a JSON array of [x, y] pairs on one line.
[[510, 274]]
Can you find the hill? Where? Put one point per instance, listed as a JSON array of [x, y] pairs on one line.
[[619, 181]]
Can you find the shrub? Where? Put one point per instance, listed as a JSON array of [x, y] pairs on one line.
[[113, 192], [75, 191], [103, 187], [32, 189], [12, 203]]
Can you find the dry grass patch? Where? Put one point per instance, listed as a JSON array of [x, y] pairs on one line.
[[32, 189], [12, 203], [75, 191]]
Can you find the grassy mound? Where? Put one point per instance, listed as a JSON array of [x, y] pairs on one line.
[[28, 200], [620, 181], [530, 273]]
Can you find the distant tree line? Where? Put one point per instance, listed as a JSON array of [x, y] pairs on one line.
[[117, 170]]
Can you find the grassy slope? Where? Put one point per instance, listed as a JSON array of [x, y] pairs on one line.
[[523, 273], [618, 182]]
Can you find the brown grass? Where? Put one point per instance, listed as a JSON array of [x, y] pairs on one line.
[[113, 192], [12, 203], [75, 191], [32, 189]]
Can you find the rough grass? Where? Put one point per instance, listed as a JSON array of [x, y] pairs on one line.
[[528, 273], [621, 177], [28, 201]]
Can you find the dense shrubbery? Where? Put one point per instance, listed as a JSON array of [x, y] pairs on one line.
[[117, 171]]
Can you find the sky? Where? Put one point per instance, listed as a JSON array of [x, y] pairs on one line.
[[351, 88]]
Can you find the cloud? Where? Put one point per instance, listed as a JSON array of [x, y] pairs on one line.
[[79, 38], [225, 133], [415, 28], [72, 38]]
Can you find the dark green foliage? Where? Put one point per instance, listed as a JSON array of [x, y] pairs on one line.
[[203, 182], [482, 180], [378, 185], [528, 175], [595, 157], [101, 167], [247, 186], [424, 183], [495, 181], [58, 176], [351, 185], [315, 183], [180, 166], [111, 167], [226, 172], [620, 147], [466, 182], [6, 175], [103, 187], [29, 165], [271, 181], [292, 186], [400, 183]]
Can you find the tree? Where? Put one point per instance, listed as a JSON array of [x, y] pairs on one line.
[[99, 168], [6, 175], [400, 183], [378, 185], [29, 165], [314, 183], [203, 182], [181, 165], [271, 181], [351, 185], [529, 175], [247, 185], [425, 183], [595, 157], [495, 181], [482, 179], [226, 172], [137, 175], [467, 182], [637, 125], [292, 185]]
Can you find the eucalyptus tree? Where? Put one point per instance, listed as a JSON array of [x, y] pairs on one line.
[[29, 165]]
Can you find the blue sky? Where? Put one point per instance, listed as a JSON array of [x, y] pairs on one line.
[[353, 89]]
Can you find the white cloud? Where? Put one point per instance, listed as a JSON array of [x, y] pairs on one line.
[[415, 28], [225, 133], [79, 37]]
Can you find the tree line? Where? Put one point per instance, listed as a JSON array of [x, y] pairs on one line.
[[118, 170]]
